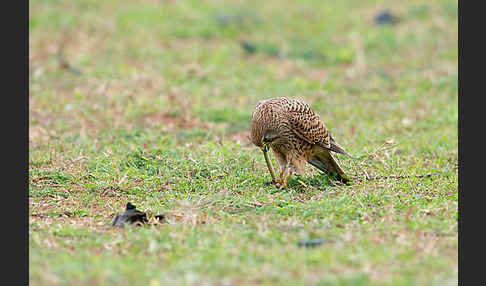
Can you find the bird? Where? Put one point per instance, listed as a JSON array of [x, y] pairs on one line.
[[296, 135]]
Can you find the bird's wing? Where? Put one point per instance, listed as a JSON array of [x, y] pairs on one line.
[[307, 125], [322, 159]]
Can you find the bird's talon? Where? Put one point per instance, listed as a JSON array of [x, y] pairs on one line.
[[273, 182], [280, 184]]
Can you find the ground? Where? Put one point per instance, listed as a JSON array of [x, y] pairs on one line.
[[149, 102]]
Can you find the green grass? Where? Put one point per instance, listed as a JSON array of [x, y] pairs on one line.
[[160, 116]]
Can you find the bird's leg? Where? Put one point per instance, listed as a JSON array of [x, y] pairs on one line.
[[281, 174], [269, 163], [285, 180], [285, 175]]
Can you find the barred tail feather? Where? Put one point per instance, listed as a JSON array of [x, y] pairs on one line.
[[326, 163]]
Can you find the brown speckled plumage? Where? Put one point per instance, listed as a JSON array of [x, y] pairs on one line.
[[296, 135]]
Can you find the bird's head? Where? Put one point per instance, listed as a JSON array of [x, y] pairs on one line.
[[263, 133], [266, 140]]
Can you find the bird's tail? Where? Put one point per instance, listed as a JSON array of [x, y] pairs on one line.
[[324, 161], [334, 146]]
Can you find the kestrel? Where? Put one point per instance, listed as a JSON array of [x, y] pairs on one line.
[[296, 135]]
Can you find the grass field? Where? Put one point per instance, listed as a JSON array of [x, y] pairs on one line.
[[155, 110]]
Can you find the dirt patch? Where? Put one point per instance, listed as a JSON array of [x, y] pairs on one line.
[[69, 211], [241, 137], [170, 122], [318, 74], [38, 222], [38, 133]]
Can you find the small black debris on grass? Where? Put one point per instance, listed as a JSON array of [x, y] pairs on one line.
[[385, 17], [311, 242], [239, 19], [64, 64], [248, 47], [133, 216]]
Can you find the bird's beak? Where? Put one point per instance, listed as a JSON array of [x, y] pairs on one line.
[[265, 147]]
